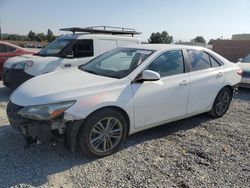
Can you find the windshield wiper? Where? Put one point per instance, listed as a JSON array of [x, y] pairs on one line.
[[89, 71]]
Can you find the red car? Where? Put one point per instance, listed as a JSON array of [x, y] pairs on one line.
[[8, 50]]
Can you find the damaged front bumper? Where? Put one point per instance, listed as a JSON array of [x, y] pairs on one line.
[[43, 131]]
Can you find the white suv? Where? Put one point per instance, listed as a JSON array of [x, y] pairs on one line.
[[67, 51], [97, 105]]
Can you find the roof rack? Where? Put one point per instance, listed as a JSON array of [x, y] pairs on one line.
[[103, 29]]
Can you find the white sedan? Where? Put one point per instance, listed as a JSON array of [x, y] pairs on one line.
[[97, 105]]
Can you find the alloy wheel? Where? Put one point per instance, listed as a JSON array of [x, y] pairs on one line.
[[223, 102], [105, 135]]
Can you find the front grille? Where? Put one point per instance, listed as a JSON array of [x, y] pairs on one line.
[[245, 74]]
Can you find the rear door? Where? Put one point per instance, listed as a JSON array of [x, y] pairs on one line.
[[206, 78]]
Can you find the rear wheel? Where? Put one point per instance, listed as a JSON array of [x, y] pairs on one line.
[[102, 133], [221, 103]]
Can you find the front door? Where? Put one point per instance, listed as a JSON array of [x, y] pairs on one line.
[[156, 102]]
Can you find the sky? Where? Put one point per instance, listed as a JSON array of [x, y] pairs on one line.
[[182, 19]]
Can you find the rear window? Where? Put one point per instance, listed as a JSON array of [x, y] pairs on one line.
[[246, 59], [11, 49], [214, 63]]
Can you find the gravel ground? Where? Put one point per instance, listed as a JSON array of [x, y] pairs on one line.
[[196, 152]]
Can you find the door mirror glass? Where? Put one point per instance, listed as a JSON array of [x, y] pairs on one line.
[[148, 75], [70, 54]]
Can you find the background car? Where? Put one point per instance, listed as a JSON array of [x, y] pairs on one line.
[[8, 50], [122, 92], [245, 65], [67, 51]]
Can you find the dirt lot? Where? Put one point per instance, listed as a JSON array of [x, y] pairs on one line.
[[196, 152]]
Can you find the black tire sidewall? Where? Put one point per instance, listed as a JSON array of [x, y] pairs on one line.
[[84, 133], [213, 112]]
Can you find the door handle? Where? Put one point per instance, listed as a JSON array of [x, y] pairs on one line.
[[220, 74], [184, 82]]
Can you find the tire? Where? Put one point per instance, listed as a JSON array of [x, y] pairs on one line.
[[221, 103], [102, 133]]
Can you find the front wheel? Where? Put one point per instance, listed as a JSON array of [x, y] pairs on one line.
[[221, 103], [102, 133]]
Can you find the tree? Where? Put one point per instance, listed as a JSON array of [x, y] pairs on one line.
[[163, 37], [32, 36], [15, 37], [50, 37], [211, 41], [40, 37], [199, 39]]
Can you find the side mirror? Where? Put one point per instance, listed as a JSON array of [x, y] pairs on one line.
[[70, 54], [148, 75], [240, 60]]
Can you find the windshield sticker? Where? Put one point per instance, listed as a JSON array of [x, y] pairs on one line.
[[145, 52]]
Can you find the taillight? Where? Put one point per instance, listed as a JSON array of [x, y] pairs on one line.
[[239, 72]]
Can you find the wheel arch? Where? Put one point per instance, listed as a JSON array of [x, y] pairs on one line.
[[74, 127], [231, 88]]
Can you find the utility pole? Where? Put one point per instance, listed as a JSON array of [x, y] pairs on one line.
[[1, 36]]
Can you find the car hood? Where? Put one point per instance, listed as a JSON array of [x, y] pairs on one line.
[[59, 86], [245, 66]]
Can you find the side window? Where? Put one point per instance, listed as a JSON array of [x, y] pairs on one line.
[[83, 48], [3, 48], [198, 60], [11, 49], [169, 63], [214, 63]]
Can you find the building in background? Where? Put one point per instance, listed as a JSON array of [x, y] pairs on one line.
[[233, 49], [241, 37]]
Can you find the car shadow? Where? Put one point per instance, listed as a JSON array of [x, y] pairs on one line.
[[244, 94], [33, 165]]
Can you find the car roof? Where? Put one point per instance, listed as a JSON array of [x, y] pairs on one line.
[[159, 47], [10, 44], [100, 36]]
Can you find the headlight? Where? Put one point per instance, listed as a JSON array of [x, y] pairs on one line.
[[45, 112], [22, 65]]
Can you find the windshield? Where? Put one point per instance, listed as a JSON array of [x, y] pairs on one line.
[[117, 63], [246, 59], [55, 47]]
